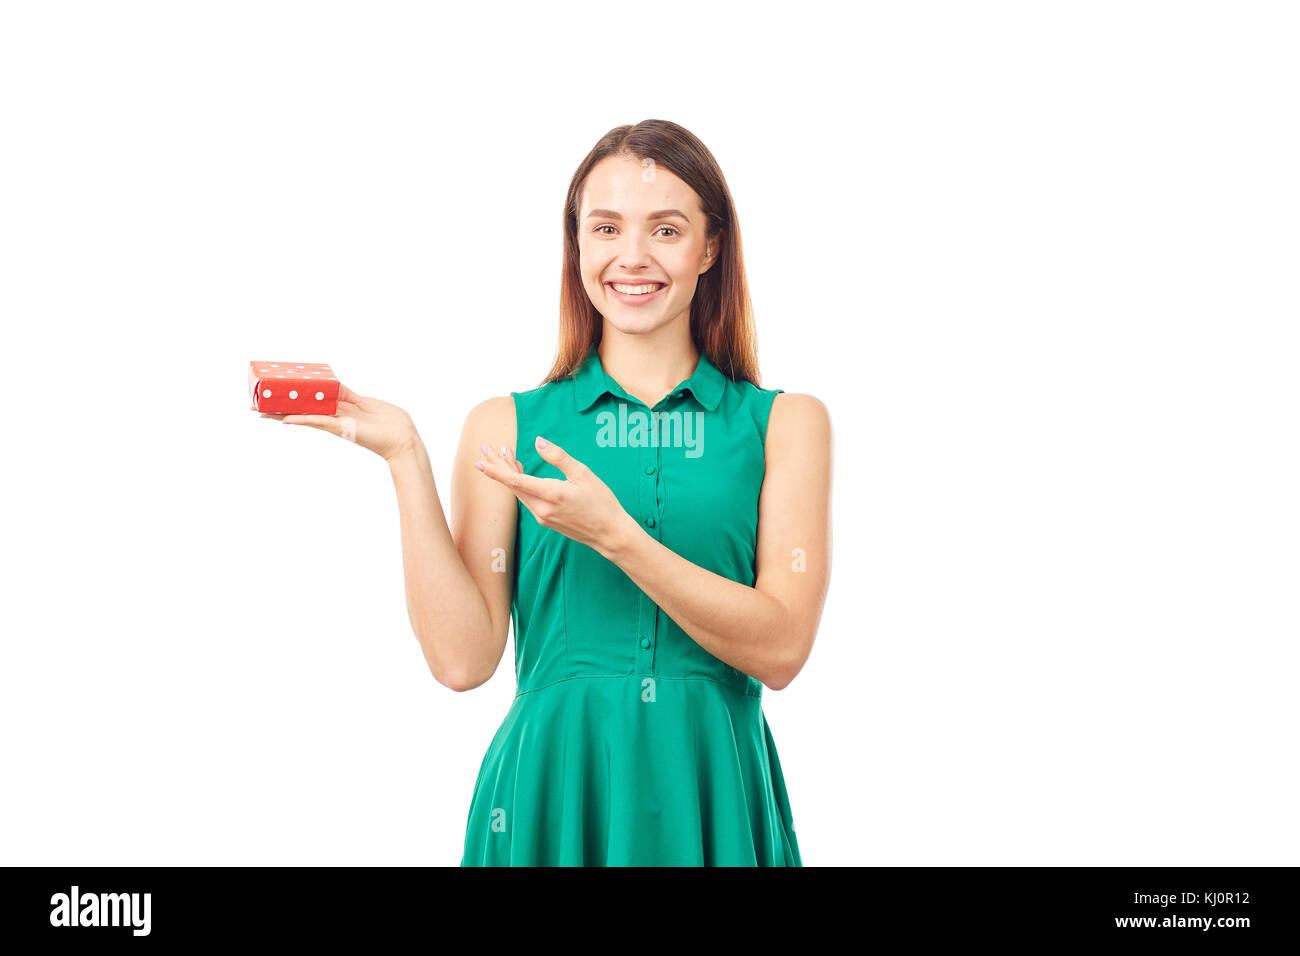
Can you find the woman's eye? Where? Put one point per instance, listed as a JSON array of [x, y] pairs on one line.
[[672, 229]]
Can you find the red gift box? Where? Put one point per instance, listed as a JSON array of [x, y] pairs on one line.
[[293, 388]]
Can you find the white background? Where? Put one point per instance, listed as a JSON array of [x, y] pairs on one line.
[[1038, 259]]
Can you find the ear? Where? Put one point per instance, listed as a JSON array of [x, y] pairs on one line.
[[712, 251]]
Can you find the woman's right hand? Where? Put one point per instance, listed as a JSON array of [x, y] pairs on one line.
[[383, 428]]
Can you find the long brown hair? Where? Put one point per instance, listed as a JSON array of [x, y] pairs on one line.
[[722, 317]]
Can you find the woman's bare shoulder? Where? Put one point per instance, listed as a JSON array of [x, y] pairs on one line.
[[492, 416], [795, 410]]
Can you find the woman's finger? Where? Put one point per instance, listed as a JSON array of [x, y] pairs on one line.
[[345, 426], [504, 455], [347, 395], [344, 408], [560, 458], [546, 489]]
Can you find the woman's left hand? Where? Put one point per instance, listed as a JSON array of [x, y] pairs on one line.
[[580, 506]]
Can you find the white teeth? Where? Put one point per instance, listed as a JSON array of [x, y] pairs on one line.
[[634, 289]]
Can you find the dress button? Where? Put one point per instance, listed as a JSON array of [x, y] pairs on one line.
[[649, 469], [645, 642], [649, 522]]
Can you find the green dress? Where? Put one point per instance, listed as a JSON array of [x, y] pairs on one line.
[[627, 743]]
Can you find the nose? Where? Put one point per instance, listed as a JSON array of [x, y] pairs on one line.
[[633, 250]]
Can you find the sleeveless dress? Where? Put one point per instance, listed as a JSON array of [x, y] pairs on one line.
[[628, 744]]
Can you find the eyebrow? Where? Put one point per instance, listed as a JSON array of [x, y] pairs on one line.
[[657, 214]]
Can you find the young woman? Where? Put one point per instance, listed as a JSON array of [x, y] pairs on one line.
[[660, 539]]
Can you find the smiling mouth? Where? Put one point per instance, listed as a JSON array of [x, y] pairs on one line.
[[645, 288]]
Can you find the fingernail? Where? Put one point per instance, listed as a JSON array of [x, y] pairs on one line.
[[542, 442], [483, 448], [478, 465]]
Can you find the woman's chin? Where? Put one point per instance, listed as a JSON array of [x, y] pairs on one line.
[[635, 325], [634, 321]]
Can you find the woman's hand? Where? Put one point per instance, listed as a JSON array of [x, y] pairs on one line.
[[580, 506], [383, 428]]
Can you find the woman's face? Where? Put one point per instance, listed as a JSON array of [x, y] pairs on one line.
[[638, 227]]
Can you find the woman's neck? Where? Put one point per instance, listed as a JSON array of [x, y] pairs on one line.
[[646, 367]]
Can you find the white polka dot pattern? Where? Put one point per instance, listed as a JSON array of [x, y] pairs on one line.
[[293, 388]]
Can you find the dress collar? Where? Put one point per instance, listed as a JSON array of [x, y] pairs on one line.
[[591, 381]]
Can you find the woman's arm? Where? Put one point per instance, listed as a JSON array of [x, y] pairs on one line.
[[458, 577], [766, 631]]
